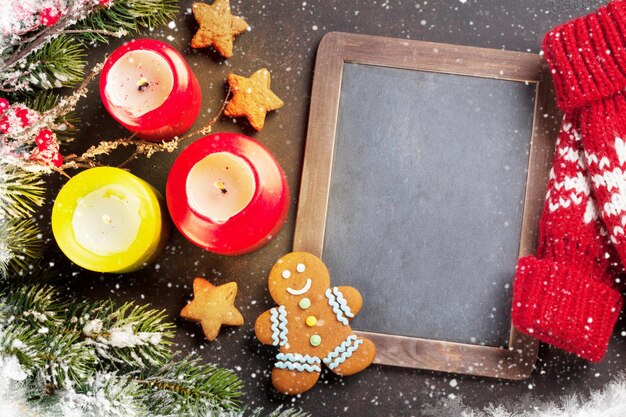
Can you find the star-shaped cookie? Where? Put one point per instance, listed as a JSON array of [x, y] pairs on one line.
[[213, 307], [218, 27], [252, 97]]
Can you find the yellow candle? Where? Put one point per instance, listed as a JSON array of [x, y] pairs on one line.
[[108, 220]]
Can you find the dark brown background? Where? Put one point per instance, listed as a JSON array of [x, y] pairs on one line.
[[284, 38]]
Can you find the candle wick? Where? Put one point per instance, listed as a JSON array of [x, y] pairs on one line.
[[219, 184], [142, 84]]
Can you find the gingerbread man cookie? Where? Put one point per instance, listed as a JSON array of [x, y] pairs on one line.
[[311, 324]]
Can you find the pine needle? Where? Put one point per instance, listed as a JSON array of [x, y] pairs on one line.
[[127, 15], [21, 192], [50, 336], [20, 245], [188, 387], [130, 336], [59, 63]]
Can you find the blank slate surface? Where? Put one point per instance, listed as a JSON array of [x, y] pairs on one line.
[[426, 199]]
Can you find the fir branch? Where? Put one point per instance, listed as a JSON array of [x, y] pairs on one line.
[[127, 336], [41, 102], [20, 341], [105, 395], [14, 391], [126, 15], [65, 125], [23, 138], [68, 360], [34, 304], [20, 192], [62, 60], [68, 377], [58, 63], [20, 244], [279, 412], [35, 333], [189, 388], [40, 36], [93, 23]]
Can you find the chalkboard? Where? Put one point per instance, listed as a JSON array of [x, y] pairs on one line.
[[426, 200], [423, 182]]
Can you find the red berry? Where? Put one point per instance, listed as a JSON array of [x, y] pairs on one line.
[[49, 16], [17, 117], [47, 149], [4, 105], [57, 161], [44, 139], [22, 114]]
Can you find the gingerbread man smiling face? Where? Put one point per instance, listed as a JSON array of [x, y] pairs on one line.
[[291, 281], [311, 324]]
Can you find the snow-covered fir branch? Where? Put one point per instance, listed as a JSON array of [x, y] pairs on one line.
[[28, 26], [125, 335], [609, 401], [43, 42], [104, 395], [73, 351], [20, 192], [20, 244]]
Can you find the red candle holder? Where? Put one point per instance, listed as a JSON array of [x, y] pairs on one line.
[[208, 170], [133, 99]]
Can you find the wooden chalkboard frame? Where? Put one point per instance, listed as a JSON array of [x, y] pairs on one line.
[[517, 361]]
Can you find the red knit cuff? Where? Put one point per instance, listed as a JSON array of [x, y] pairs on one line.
[[588, 56], [556, 304]]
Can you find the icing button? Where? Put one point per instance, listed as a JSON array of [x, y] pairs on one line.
[[300, 268], [315, 340], [311, 321], [286, 274], [304, 303]]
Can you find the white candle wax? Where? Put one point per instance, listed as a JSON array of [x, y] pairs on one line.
[[139, 82], [106, 221], [220, 185]]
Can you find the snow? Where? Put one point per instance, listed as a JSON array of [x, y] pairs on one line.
[[92, 328], [17, 345], [119, 337], [5, 254], [40, 317], [125, 337], [608, 402], [10, 368], [106, 397]]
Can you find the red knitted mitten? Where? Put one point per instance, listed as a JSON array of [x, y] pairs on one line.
[[588, 61], [563, 296]]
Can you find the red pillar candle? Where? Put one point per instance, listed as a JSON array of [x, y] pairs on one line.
[[227, 194], [147, 86]]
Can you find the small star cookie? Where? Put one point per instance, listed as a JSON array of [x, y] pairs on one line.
[[213, 307], [252, 97], [218, 27]]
